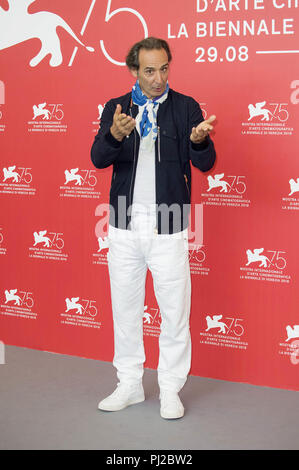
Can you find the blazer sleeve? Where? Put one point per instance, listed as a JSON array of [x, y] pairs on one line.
[[105, 148], [202, 155]]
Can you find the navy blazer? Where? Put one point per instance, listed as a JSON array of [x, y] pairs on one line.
[[173, 152]]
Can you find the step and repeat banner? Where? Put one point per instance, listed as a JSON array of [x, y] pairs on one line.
[[60, 62]]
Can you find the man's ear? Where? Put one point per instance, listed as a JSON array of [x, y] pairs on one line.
[[134, 72]]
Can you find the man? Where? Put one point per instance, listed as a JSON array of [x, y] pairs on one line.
[[149, 136]]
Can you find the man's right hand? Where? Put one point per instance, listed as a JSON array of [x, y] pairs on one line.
[[122, 124]]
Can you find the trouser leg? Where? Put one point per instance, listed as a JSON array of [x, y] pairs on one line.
[[169, 265], [127, 271]]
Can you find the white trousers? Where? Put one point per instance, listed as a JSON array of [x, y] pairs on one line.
[[131, 253]]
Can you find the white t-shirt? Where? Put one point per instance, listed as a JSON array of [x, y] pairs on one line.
[[144, 198]]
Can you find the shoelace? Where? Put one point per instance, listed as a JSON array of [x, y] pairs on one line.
[[123, 390]]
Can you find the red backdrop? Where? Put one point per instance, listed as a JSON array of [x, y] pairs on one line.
[[239, 59]]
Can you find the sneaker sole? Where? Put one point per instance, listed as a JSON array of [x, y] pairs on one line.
[[117, 408], [166, 416]]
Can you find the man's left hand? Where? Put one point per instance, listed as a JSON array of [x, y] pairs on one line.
[[200, 132]]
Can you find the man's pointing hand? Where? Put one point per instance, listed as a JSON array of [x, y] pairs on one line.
[[200, 132], [122, 124]]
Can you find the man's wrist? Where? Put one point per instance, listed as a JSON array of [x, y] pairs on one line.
[[195, 142], [117, 136], [200, 145], [112, 140]]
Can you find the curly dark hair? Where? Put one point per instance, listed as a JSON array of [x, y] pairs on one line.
[[132, 59]]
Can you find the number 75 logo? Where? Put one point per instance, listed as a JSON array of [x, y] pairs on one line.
[[110, 13]]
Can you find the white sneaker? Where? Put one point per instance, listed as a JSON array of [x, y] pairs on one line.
[[171, 405], [123, 396]]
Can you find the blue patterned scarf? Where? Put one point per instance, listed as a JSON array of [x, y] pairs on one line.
[[146, 119]]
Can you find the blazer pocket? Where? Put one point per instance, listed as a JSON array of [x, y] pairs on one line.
[[169, 142]]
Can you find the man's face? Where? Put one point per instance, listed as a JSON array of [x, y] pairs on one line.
[[153, 72]]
